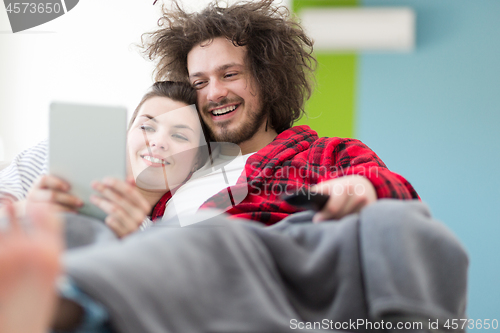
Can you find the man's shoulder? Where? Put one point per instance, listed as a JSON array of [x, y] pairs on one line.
[[300, 144], [298, 131], [303, 133]]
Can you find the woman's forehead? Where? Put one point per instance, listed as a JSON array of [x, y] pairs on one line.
[[159, 105], [164, 110]]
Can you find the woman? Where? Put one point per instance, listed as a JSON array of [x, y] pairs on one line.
[[163, 146]]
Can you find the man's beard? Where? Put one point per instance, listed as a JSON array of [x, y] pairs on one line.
[[243, 132]]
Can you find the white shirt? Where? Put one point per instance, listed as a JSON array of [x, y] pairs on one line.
[[205, 183]]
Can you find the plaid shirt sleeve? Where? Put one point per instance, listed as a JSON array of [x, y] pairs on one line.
[[296, 160], [352, 157]]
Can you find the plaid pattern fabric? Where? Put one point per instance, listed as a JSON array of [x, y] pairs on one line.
[[159, 208], [296, 160]]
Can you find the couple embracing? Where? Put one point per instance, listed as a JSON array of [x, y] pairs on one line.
[[250, 66]]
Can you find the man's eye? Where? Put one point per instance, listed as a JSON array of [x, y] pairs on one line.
[[147, 128], [229, 75], [198, 84]]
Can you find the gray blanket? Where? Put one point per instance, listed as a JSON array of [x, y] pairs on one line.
[[391, 262]]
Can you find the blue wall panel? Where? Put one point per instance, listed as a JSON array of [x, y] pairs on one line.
[[433, 115]]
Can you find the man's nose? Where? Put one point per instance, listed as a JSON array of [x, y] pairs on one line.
[[216, 91]]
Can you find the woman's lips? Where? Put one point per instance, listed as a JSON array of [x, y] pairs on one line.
[[154, 161]]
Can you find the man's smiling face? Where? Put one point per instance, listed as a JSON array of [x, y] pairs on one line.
[[228, 98]]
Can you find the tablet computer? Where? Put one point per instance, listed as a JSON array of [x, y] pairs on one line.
[[86, 143]]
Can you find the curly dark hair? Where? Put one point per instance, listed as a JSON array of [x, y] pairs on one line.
[[279, 53]]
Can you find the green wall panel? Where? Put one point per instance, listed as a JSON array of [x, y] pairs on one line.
[[297, 5], [331, 109]]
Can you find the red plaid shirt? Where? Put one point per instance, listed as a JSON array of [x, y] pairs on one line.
[[296, 160]]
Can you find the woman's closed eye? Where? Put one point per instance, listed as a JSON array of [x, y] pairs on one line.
[[180, 137]]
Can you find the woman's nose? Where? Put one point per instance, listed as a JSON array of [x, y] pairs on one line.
[[158, 143]]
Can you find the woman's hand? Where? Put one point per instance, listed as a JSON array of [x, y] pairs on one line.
[[125, 206], [53, 190]]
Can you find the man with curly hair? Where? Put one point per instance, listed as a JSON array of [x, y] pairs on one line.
[[252, 66], [391, 263]]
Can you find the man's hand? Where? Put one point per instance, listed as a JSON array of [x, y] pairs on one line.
[[348, 195], [53, 190], [125, 206]]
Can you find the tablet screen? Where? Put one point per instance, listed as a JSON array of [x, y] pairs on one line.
[[86, 143]]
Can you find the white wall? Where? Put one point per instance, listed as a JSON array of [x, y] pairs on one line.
[[85, 56]]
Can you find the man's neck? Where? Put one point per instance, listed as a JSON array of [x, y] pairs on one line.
[[260, 139]]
